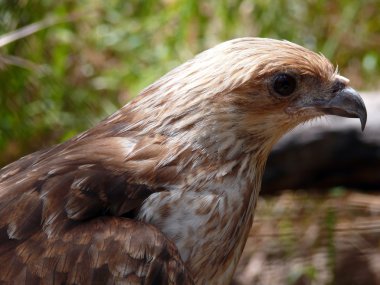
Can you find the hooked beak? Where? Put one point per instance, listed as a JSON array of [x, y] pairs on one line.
[[346, 103]]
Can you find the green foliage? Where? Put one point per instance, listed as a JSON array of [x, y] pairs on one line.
[[304, 275], [87, 58]]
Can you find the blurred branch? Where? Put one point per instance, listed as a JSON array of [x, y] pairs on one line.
[[35, 27], [27, 30], [20, 62]]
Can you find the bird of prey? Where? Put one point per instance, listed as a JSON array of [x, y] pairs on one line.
[[163, 191]]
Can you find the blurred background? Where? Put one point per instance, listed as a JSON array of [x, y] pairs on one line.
[[65, 65]]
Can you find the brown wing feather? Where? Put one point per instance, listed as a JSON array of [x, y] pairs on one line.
[[106, 250], [76, 182], [53, 226]]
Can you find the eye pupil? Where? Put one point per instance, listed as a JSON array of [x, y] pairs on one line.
[[284, 84]]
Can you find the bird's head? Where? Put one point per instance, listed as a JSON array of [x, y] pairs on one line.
[[248, 90]]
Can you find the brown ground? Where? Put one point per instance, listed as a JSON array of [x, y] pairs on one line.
[[308, 238]]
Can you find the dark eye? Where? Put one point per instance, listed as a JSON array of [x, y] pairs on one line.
[[284, 84]]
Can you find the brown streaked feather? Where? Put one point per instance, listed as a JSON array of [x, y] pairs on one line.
[[52, 208], [106, 250]]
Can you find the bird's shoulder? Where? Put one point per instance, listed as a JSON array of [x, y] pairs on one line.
[[79, 180], [68, 214]]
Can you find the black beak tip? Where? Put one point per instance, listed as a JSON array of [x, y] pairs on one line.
[[360, 109], [352, 105], [363, 119]]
